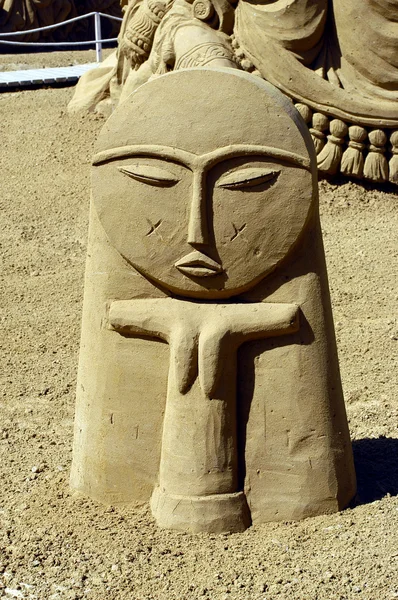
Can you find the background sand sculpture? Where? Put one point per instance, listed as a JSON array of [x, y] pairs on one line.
[[44, 195], [336, 60]]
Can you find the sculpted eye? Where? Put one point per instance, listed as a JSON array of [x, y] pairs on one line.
[[150, 175], [247, 178]]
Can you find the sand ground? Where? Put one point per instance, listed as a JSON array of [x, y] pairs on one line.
[[53, 546]]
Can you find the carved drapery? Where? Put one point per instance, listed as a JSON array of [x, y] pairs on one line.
[[336, 60]]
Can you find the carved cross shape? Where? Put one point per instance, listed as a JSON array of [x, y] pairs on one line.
[[199, 455]]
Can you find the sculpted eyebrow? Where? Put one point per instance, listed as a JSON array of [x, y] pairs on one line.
[[154, 152], [190, 160]]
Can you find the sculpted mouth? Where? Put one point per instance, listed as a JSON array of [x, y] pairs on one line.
[[197, 264]]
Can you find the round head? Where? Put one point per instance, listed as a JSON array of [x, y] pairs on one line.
[[203, 180]]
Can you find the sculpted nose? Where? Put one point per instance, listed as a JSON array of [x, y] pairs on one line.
[[198, 230]]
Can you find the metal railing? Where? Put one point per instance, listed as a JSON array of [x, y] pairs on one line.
[[97, 29]]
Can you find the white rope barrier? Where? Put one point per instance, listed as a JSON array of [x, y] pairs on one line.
[[47, 27], [97, 27], [92, 42]]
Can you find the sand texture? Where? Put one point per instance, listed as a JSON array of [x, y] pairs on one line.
[[54, 546]]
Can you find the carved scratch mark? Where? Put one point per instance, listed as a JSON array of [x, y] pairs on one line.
[[237, 231], [154, 228]]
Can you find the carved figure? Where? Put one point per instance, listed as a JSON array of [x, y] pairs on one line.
[[336, 60], [204, 234]]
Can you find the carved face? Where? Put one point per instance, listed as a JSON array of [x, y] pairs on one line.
[[205, 225]]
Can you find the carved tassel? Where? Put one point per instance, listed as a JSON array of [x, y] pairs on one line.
[[241, 58], [376, 166], [305, 112], [234, 41], [330, 156], [393, 164], [247, 65], [352, 161], [320, 123]]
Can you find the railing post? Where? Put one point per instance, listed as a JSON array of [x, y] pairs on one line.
[[98, 36]]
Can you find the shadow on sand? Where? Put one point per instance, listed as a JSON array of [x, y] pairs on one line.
[[366, 185], [376, 463]]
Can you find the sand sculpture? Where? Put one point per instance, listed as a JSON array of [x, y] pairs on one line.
[[20, 15], [336, 59], [208, 380]]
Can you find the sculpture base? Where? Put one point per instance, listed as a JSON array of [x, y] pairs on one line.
[[219, 513]]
